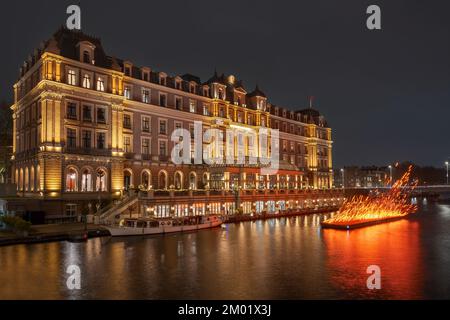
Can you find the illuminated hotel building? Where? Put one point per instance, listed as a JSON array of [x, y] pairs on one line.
[[89, 127]]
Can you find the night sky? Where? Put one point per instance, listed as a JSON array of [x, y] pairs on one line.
[[386, 94]]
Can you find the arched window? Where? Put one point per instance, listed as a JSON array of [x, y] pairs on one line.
[[16, 178], [178, 180], [27, 179], [146, 179], [127, 179], [162, 180], [205, 179], [71, 180], [21, 180], [32, 179], [100, 184], [193, 181], [38, 178], [86, 181]]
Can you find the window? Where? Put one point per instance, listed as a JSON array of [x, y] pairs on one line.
[[205, 92], [162, 127], [71, 180], [72, 111], [145, 76], [71, 138], [145, 96], [206, 110], [162, 100], [86, 57], [100, 184], [101, 115], [101, 140], [128, 71], [100, 84], [145, 146], [145, 124], [71, 210], [250, 119], [192, 88], [86, 181], [127, 93], [178, 85], [178, 125], [192, 106], [87, 114], [86, 81], [72, 78], [127, 144], [162, 80], [86, 139], [162, 148], [127, 121], [178, 103]]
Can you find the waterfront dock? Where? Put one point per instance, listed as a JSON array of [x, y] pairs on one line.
[[53, 232], [76, 231]]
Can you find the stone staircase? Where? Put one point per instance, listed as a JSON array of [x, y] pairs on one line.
[[111, 213]]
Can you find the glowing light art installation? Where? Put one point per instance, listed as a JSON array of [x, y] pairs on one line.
[[362, 211]]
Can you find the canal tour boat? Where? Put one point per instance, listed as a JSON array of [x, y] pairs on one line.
[[149, 226]]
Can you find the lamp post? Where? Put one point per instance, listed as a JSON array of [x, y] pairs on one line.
[[343, 178], [390, 175], [446, 164]]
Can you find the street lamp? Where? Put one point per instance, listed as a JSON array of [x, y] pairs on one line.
[[343, 178], [446, 164], [390, 175]]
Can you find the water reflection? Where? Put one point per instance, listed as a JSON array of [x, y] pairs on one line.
[[286, 258], [394, 247]]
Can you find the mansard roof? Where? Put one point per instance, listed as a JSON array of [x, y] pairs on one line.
[[257, 93], [65, 42], [217, 79]]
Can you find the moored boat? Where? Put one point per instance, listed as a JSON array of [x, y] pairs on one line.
[[149, 226]]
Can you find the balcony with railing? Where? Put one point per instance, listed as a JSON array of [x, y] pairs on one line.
[[88, 151]]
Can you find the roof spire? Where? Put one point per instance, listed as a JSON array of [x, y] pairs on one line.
[[311, 102]]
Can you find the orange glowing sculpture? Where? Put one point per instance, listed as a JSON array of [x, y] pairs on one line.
[[361, 211]]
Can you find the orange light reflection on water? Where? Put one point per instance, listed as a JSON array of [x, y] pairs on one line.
[[394, 247]]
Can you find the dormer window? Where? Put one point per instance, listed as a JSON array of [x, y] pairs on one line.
[[86, 57], [205, 92], [221, 95], [191, 88], [162, 80], [128, 71], [178, 84]]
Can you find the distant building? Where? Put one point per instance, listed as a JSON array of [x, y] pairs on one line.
[[362, 177]]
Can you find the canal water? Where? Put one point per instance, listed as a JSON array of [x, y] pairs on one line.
[[285, 258]]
